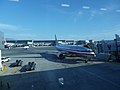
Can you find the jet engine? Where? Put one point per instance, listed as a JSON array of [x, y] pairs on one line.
[[60, 55]]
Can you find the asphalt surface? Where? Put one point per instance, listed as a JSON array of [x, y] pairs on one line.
[[54, 74]]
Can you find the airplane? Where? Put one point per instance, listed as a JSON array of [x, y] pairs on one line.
[[65, 50], [7, 45]]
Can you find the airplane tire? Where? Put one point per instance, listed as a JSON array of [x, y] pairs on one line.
[[86, 61], [61, 56]]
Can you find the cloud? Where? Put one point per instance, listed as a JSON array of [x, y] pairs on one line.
[[102, 35], [14, 0], [65, 5], [11, 27], [103, 9], [21, 35], [117, 10], [86, 7], [8, 27], [96, 13], [106, 34], [26, 35], [77, 15]]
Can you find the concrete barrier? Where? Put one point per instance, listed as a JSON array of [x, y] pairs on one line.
[[103, 56]]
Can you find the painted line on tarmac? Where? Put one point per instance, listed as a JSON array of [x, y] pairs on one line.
[[113, 83]]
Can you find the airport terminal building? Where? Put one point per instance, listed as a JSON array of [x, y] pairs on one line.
[[1, 40]]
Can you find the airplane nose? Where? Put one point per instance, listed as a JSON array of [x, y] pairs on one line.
[[94, 55]]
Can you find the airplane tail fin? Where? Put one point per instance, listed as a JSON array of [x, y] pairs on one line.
[[5, 42], [56, 41]]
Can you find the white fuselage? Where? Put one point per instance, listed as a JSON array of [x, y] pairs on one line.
[[75, 50]]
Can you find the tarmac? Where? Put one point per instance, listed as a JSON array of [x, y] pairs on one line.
[[54, 74]]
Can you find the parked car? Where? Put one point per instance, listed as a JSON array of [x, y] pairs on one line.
[[5, 59]]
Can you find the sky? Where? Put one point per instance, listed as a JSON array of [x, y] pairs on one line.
[[68, 19]]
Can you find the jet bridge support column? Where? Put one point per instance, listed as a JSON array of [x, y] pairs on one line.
[[0, 61], [116, 53]]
